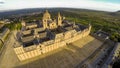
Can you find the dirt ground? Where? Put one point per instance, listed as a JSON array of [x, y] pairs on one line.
[[66, 57]]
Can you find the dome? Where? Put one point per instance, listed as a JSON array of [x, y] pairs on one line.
[[46, 15]]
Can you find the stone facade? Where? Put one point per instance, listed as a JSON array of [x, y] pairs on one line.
[[51, 35], [4, 34]]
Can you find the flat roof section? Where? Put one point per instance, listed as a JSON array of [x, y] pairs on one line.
[[58, 30], [26, 44], [27, 39]]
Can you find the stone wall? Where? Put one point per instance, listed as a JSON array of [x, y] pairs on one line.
[[4, 34]]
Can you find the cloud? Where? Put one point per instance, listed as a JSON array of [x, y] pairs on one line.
[[1, 2], [87, 4]]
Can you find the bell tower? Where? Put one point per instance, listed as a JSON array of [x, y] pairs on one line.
[[45, 25], [46, 15], [90, 27], [59, 20]]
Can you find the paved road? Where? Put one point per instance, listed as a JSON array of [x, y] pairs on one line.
[[6, 58], [3, 48], [5, 45]]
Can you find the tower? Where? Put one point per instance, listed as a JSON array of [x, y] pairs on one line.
[[46, 17], [74, 24], [45, 25], [23, 23], [59, 19], [90, 27]]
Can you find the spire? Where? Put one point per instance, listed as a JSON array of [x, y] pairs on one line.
[[59, 14], [59, 19], [46, 11], [74, 24], [23, 22], [46, 15], [89, 24]]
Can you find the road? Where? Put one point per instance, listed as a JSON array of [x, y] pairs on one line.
[[7, 59]]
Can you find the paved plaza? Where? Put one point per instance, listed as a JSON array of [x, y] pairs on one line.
[[66, 57]]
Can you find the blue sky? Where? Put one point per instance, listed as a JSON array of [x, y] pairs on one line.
[[104, 5], [112, 1]]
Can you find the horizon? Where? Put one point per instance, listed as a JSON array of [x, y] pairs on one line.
[[102, 5], [56, 8]]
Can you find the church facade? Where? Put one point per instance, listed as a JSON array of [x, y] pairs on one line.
[[40, 37]]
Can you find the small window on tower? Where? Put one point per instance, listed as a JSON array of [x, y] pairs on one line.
[[45, 20]]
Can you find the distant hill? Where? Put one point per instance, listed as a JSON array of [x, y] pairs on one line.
[[26, 11], [118, 11], [17, 12], [33, 10]]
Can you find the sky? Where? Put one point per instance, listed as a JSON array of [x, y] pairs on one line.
[[103, 5]]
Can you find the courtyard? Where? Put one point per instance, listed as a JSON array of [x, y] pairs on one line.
[[66, 57]]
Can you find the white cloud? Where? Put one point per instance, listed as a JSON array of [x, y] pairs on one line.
[[87, 4]]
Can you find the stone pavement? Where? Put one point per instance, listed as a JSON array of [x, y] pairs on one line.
[[66, 57]]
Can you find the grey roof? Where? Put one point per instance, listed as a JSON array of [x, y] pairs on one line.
[[27, 39], [26, 32], [29, 24], [42, 34], [69, 27], [30, 48], [27, 35], [102, 34], [58, 30], [44, 39], [77, 28], [81, 26], [39, 29]]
